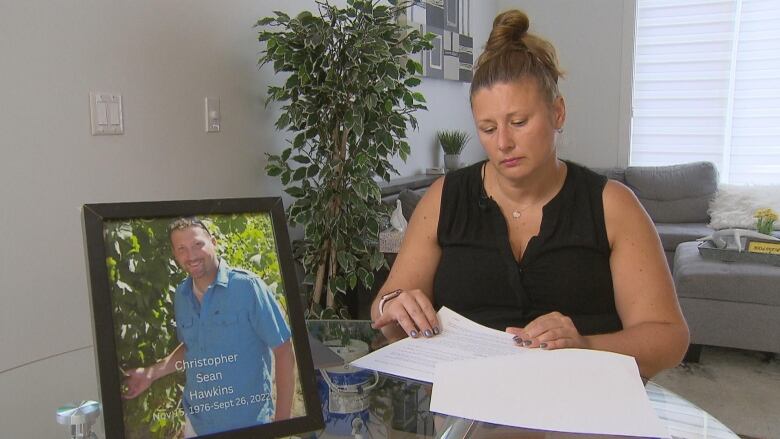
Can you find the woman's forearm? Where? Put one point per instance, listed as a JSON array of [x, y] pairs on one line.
[[655, 345]]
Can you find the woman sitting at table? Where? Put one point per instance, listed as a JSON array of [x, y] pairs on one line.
[[525, 242]]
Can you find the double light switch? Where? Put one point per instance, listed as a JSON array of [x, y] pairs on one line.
[[106, 113]]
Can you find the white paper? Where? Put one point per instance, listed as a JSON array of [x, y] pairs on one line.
[[570, 390], [460, 339], [479, 373]]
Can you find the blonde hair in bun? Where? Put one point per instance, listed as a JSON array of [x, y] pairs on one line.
[[511, 53]]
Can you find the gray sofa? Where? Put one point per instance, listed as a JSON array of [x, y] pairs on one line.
[[676, 197]]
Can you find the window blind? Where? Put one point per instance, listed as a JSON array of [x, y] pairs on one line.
[[707, 86]]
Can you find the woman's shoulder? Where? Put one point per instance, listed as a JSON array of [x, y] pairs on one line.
[[465, 175], [586, 175], [463, 182]]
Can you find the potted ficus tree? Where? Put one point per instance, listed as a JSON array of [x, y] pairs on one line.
[[347, 102]]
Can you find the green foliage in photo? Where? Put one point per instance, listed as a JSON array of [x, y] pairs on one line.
[[143, 277]]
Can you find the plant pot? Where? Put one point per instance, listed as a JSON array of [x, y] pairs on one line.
[[451, 161]]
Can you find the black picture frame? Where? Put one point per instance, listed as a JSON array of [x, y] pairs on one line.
[[97, 217]]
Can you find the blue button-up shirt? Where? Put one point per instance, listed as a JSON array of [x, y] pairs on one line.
[[229, 337]]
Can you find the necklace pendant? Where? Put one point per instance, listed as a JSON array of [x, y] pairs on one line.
[[516, 214]]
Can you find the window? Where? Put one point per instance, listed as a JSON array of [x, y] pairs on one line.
[[707, 86]]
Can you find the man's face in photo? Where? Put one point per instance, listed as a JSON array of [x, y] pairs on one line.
[[195, 251]]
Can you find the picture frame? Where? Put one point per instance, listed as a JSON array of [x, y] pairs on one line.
[[211, 383]]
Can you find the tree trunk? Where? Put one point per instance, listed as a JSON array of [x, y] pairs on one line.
[[331, 299], [319, 280]]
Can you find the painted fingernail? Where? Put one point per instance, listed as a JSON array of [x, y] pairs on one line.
[[527, 342], [517, 339], [436, 330], [413, 333], [543, 345], [428, 333]]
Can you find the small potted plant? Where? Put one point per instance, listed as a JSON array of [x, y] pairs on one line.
[[452, 143], [765, 220]]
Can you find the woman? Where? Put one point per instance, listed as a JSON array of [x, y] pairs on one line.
[[525, 242]]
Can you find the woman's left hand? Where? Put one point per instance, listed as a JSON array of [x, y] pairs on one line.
[[550, 331]]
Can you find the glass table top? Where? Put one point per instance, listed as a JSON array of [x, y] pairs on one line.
[[364, 404]]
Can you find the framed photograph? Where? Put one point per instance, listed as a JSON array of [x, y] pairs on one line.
[[199, 329]]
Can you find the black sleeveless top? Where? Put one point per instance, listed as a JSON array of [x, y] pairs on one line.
[[564, 268]]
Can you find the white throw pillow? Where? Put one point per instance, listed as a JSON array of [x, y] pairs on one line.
[[734, 206]]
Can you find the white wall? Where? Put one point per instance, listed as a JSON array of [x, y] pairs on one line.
[[164, 57], [594, 40]]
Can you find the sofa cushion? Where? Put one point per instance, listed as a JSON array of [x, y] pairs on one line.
[[672, 234], [677, 193]]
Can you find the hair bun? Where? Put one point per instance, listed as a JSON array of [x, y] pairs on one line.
[[512, 22], [509, 28]]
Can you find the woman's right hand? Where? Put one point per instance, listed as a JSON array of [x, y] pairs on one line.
[[413, 311]]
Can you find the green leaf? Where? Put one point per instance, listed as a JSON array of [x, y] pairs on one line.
[[411, 65], [299, 141], [303, 15], [408, 99], [368, 280], [373, 227], [412, 82], [265, 21], [418, 96], [301, 159], [292, 81], [365, 276], [357, 244], [343, 260], [341, 284], [418, 67], [299, 174], [361, 190], [286, 154], [282, 17], [273, 170], [283, 121], [371, 101], [404, 147], [312, 171], [377, 260], [391, 70], [295, 191]]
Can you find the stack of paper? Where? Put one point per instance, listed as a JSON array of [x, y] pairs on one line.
[[479, 373]]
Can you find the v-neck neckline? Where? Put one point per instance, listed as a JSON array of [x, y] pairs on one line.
[[546, 227]]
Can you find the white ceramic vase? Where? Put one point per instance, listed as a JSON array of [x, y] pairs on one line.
[[451, 162]]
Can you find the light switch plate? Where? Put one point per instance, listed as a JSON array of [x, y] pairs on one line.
[[106, 114], [213, 115]]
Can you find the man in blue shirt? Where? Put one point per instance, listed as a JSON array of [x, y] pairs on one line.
[[229, 325]]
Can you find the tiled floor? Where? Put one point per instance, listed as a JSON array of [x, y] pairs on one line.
[[740, 388]]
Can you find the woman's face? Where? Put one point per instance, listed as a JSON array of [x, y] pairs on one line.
[[516, 126]]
